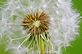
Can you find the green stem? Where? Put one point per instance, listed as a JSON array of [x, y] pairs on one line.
[[41, 45]]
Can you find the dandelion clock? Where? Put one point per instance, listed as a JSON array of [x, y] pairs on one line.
[[38, 26]]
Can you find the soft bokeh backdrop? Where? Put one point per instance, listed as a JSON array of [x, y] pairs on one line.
[[76, 46]]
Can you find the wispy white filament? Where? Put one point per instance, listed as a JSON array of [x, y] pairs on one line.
[[63, 26]]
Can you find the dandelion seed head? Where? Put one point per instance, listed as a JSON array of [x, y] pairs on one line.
[[63, 20], [36, 22]]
